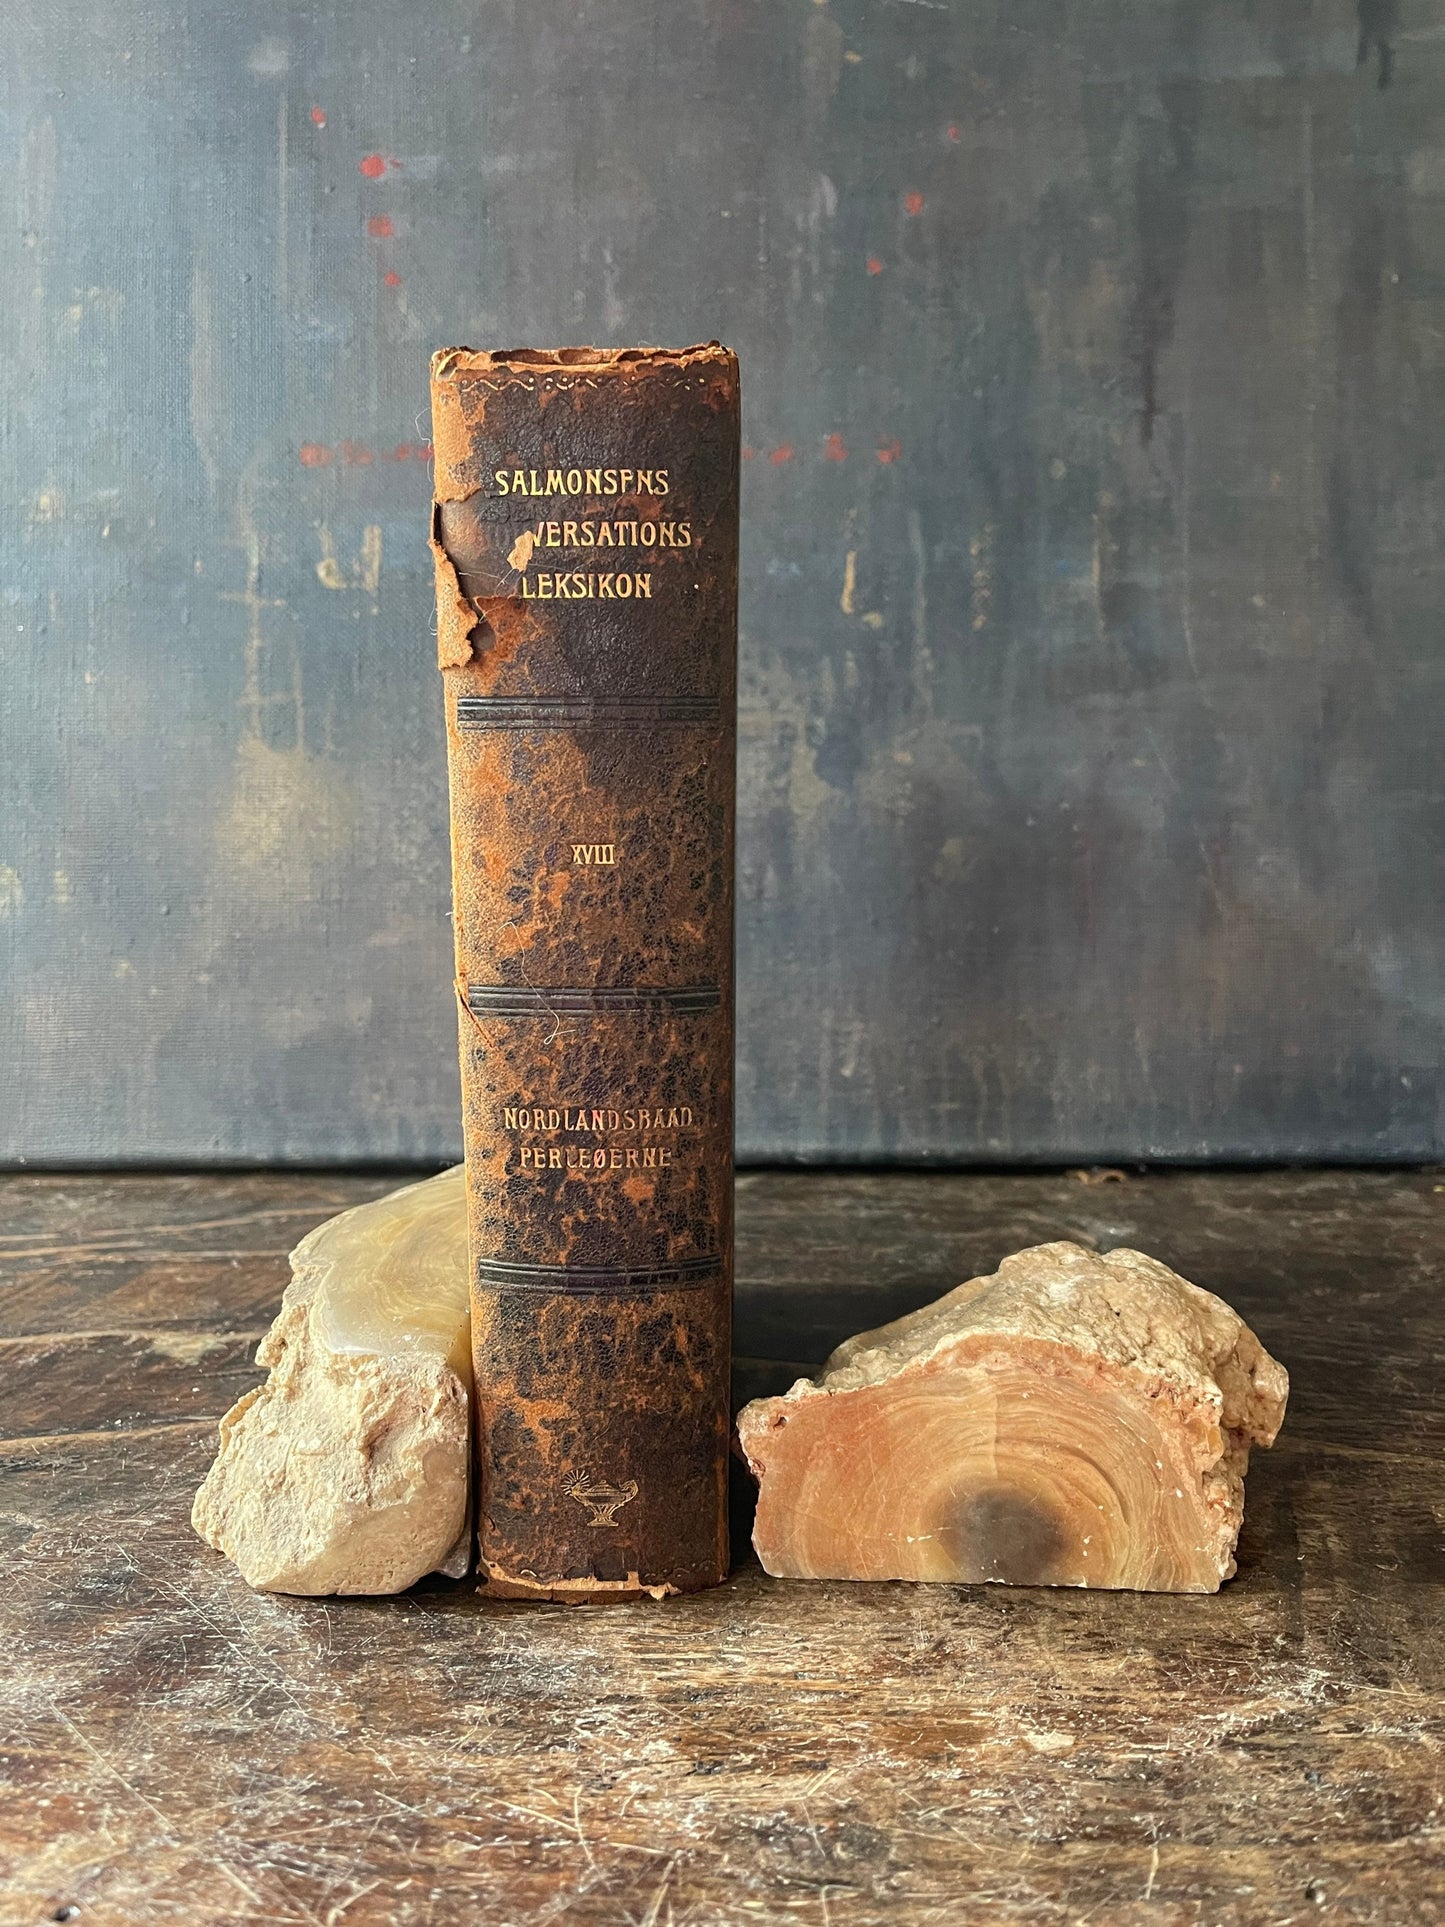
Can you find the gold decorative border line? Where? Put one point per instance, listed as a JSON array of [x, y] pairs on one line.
[[580, 712], [680, 1273], [565, 1000]]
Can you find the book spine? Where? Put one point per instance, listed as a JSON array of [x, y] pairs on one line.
[[585, 540]]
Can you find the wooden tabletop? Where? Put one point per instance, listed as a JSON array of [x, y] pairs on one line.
[[176, 1748]]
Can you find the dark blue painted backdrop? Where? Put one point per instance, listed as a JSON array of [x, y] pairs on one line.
[[1094, 356]]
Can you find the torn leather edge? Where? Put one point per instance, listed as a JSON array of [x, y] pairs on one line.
[[447, 363], [456, 618], [496, 1584]]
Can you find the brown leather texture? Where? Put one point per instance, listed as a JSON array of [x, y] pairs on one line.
[[585, 539]]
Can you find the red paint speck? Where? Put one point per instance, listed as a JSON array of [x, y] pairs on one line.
[[318, 116], [358, 455], [913, 201], [835, 449], [379, 227], [781, 455], [372, 166], [890, 450], [875, 266], [747, 453], [953, 133], [392, 278]]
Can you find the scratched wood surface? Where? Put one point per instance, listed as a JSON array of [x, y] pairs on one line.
[[177, 1749], [1091, 680]]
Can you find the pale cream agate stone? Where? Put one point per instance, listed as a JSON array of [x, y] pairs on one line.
[[1073, 1420], [348, 1471]]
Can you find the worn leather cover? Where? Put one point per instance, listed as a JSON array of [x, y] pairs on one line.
[[585, 539]]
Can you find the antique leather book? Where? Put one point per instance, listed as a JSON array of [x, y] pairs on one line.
[[585, 540]]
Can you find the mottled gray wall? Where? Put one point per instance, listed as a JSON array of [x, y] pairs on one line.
[[1094, 355]]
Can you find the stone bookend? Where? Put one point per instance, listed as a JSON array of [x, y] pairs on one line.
[[1073, 1420], [348, 1470]]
